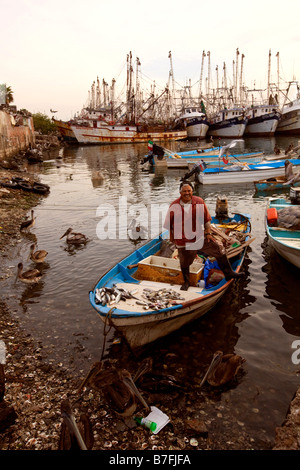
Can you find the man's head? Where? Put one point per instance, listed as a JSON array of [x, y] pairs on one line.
[[186, 191]]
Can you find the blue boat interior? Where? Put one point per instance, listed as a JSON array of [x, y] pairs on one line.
[[123, 272]]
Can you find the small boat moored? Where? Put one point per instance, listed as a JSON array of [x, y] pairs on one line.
[[141, 297], [282, 223], [243, 172]]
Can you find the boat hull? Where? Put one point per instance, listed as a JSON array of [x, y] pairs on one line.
[[141, 326], [264, 126], [65, 131], [142, 331], [290, 119], [122, 134], [230, 128], [255, 173], [197, 129], [285, 242], [273, 184]]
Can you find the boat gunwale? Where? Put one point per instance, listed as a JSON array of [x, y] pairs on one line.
[[116, 313]]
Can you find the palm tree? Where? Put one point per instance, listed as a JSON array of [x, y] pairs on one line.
[[9, 95]]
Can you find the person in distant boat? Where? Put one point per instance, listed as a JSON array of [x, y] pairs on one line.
[[189, 223], [156, 151], [276, 150]]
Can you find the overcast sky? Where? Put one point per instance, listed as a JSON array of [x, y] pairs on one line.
[[52, 51]]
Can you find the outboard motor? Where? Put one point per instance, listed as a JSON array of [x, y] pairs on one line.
[[221, 208], [196, 170], [295, 195]]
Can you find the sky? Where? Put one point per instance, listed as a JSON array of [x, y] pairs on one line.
[[52, 51]]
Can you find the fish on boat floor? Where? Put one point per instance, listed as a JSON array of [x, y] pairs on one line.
[[140, 290]]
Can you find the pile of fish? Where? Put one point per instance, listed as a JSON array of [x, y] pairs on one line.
[[113, 295], [158, 299], [154, 299]]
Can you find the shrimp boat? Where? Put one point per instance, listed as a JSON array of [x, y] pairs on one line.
[[149, 303], [282, 223], [228, 123]]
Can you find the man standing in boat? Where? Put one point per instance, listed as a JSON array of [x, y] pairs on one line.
[[189, 223]]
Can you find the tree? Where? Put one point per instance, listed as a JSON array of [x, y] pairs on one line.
[[9, 95], [43, 124]]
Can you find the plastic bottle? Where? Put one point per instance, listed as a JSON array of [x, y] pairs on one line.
[[147, 423]]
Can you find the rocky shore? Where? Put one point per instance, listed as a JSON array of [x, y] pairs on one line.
[[36, 388]]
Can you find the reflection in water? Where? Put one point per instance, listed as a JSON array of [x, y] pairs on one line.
[[281, 286], [59, 315]]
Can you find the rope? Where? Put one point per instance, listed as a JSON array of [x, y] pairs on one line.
[[106, 331]]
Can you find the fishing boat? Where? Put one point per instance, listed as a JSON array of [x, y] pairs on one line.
[[149, 303], [195, 122], [64, 129], [211, 159], [228, 123], [262, 120], [243, 172], [273, 183], [282, 223], [290, 116], [101, 133]]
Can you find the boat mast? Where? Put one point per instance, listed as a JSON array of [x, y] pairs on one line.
[[236, 75], [277, 55], [208, 75], [172, 97], [137, 90], [269, 74], [98, 94], [113, 99], [241, 81], [201, 76], [129, 87], [225, 85]]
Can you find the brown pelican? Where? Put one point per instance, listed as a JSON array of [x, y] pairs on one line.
[[28, 277], [222, 369], [73, 436], [74, 238], [118, 387], [28, 223], [37, 256]]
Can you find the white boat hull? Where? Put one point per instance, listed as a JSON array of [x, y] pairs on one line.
[[142, 330], [289, 249], [228, 131], [290, 118], [238, 177], [122, 134], [264, 128], [197, 131]]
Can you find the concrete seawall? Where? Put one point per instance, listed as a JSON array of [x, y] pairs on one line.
[[16, 133]]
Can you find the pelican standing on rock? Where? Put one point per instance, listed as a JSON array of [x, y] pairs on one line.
[[118, 387], [74, 238], [73, 436], [222, 369], [31, 276], [28, 223], [37, 256]]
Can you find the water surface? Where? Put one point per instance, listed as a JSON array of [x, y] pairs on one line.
[[258, 317]]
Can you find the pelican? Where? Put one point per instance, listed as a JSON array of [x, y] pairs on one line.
[[73, 436], [28, 223], [28, 277], [222, 369], [74, 238], [118, 386], [98, 175], [37, 256], [289, 174]]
